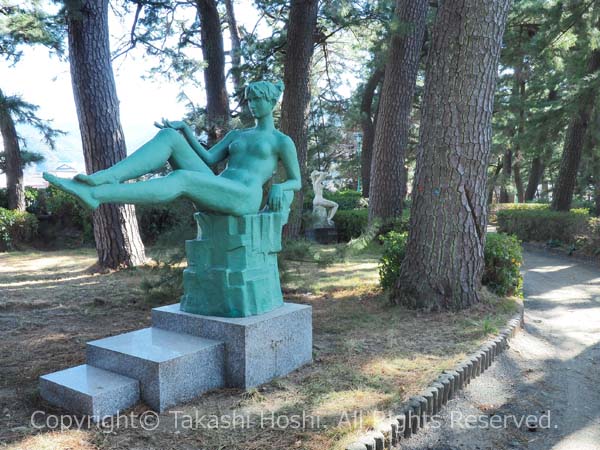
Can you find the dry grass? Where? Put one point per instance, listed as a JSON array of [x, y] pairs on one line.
[[368, 356]]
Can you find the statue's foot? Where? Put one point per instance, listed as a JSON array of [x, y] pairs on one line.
[[96, 179], [82, 191]]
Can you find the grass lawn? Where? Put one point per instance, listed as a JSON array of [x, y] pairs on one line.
[[368, 355]]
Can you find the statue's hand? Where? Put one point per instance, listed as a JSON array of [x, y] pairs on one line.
[[174, 124], [275, 198]]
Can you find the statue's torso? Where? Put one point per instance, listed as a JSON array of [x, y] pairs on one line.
[[253, 156]]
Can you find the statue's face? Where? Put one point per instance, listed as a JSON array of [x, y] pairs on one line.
[[259, 107]]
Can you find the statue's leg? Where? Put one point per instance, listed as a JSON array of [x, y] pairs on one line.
[[207, 190], [329, 204], [168, 145]]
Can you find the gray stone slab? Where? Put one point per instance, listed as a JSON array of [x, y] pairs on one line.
[[258, 348], [89, 390], [171, 367]]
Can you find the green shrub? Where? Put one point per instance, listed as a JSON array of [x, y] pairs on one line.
[[156, 220], [67, 211], [540, 224], [503, 258], [16, 228], [347, 199], [350, 224], [30, 197], [394, 248]]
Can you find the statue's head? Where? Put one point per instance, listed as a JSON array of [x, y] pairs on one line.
[[266, 90]]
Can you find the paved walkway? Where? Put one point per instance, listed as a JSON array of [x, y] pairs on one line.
[[549, 378]]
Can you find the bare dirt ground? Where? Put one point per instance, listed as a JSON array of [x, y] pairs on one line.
[[548, 378], [368, 356]]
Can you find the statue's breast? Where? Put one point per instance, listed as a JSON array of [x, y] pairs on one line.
[[236, 147]]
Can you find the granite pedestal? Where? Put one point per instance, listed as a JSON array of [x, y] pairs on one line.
[[257, 348]]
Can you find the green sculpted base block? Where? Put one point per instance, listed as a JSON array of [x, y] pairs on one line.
[[232, 265]]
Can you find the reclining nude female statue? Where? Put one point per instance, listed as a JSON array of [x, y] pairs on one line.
[[252, 153]]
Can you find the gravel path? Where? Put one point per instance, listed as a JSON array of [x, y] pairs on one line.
[[549, 378]]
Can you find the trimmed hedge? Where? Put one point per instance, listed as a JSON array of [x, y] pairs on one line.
[[590, 242], [16, 228], [539, 223], [347, 199], [503, 258], [350, 224]]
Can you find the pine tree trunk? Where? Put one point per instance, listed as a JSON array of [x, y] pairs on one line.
[[535, 178], [517, 177], [520, 90], [236, 59], [545, 189], [505, 196], [562, 195], [444, 253], [217, 101], [367, 122], [14, 165], [597, 197], [388, 176], [296, 96], [118, 241], [492, 182]]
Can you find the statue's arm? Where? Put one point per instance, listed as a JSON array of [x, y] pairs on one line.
[[289, 160], [216, 154]]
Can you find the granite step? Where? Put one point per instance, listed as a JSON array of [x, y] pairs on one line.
[[171, 367], [90, 390]]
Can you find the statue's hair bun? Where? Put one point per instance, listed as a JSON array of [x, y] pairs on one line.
[[266, 89]]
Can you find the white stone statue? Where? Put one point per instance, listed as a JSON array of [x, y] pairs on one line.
[[320, 205]]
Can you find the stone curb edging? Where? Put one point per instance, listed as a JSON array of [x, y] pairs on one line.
[[414, 413]]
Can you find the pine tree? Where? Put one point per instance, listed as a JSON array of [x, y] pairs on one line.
[[388, 175], [444, 263], [118, 241]]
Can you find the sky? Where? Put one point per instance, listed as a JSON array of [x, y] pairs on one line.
[[44, 80]]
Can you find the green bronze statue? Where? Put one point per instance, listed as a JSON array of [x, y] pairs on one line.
[[232, 264], [252, 155]]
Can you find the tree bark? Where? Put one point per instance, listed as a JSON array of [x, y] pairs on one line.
[[535, 178], [236, 59], [388, 176], [444, 253], [562, 195], [295, 105], [118, 241], [217, 101], [367, 122], [14, 165]]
